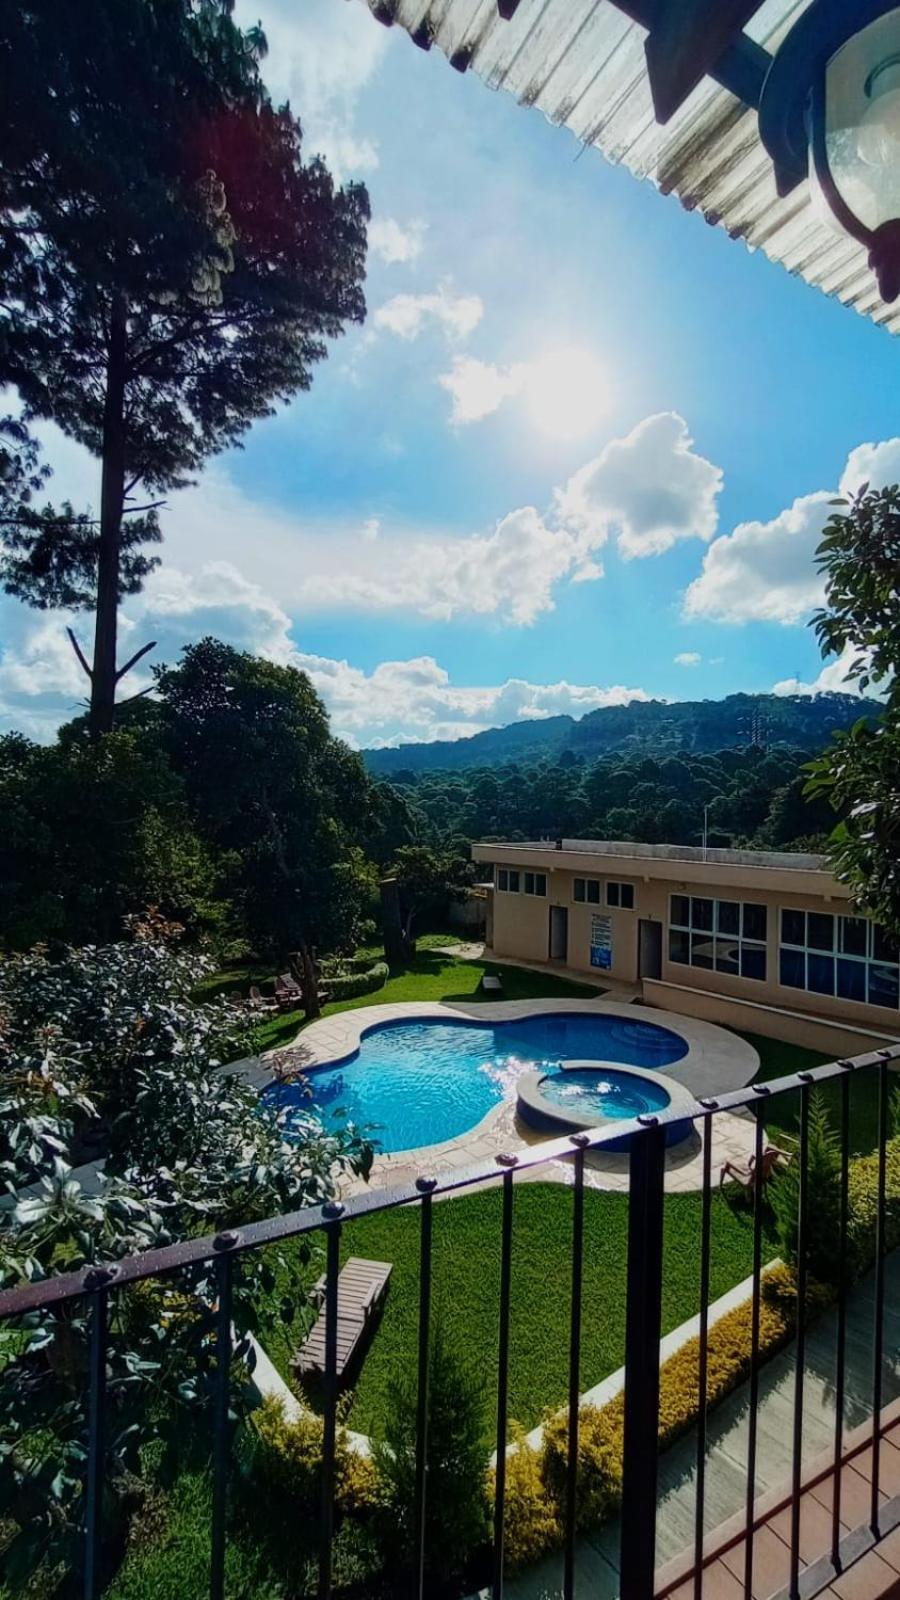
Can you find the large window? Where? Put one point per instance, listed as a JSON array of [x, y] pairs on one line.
[[847, 957], [508, 880], [620, 895], [586, 890], [512, 880], [589, 891], [535, 883], [727, 936]]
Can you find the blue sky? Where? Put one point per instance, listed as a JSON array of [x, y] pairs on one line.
[[580, 436]]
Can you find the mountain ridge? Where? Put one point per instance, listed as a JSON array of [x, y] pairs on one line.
[[648, 727]]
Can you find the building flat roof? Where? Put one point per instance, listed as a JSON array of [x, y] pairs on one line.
[[784, 860]]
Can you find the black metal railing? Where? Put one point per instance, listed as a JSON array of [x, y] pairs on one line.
[[646, 1163]]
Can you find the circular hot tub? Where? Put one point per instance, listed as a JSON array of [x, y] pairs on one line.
[[589, 1094]]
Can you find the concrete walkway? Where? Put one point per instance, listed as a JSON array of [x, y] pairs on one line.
[[726, 1474]]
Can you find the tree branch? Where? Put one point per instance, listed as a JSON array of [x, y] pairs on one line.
[[133, 661], [79, 653]]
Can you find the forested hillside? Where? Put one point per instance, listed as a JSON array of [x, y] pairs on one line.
[[752, 797], [653, 727]]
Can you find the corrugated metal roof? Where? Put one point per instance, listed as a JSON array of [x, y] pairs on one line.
[[581, 62]]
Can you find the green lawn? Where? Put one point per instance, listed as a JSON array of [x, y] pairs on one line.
[[781, 1115], [466, 1267]]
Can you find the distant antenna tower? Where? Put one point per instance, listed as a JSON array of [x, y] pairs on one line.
[[754, 728]]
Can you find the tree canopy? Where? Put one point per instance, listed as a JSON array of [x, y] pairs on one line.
[[170, 269]]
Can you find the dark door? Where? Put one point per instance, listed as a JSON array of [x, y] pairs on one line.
[[649, 949], [559, 933]]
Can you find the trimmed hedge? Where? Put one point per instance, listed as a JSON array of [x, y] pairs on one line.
[[350, 985], [533, 1521]]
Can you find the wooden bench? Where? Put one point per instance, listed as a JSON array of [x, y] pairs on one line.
[[361, 1288]]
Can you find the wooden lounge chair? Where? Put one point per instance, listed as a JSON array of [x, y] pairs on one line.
[[261, 1001], [772, 1160], [361, 1288], [288, 995]]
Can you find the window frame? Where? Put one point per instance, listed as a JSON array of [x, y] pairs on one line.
[[814, 957], [706, 946], [622, 888]]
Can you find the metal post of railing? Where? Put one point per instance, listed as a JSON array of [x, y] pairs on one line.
[[800, 1348], [425, 1187], [702, 1374], [878, 1340], [502, 1380], [756, 1295], [221, 1402], [643, 1311], [332, 1211], [840, 1358], [93, 1522], [571, 1519]]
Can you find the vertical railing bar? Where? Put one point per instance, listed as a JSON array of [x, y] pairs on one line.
[[221, 1399], [705, 1216], [753, 1416], [421, 1488], [93, 1522], [640, 1451], [502, 1382], [329, 1425], [840, 1355], [574, 1375], [799, 1375], [878, 1342]]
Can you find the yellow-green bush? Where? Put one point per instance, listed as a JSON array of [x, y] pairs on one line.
[[863, 1205], [287, 1463], [531, 1525], [599, 1478]]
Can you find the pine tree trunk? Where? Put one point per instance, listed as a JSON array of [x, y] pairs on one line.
[[112, 499]]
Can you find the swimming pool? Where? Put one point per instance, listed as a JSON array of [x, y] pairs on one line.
[[421, 1082]]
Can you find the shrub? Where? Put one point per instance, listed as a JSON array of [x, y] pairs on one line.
[[352, 984], [285, 1465], [863, 1205], [823, 1203], [531, 1524], [456, 1517], [599, 1481]]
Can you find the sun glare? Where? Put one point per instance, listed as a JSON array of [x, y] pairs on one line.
[[567, 393]]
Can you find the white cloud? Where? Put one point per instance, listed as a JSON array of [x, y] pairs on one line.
[[688, 658], [371, 528], [652, 488], [395, 244], [832, 679], [509, 573], [322, 56], [406, 315], [479, 387], [764, 571], [415, 699]]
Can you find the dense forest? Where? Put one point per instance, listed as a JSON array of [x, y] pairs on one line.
[[752, 797], [653, 727]]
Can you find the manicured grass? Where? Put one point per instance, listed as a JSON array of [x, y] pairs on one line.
[[466, 1268], [778, 1060], [432, 975]]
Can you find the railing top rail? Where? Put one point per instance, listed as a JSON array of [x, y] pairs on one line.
[[193, 1252]]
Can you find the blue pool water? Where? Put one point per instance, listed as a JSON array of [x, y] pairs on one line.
[[604, 1094], [416, 1083]]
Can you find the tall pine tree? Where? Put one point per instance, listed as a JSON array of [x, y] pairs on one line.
[[170, 268]]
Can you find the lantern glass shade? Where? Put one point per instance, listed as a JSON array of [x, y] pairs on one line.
[[861, 133]]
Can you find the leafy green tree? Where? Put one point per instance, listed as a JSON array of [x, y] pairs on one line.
[[456, 1508], [428, 881], [109, 1040], [170, 269], [270, 787], [859, 773], [823, 1203]]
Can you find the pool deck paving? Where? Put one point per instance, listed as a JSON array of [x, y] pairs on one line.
[[716, 1061]]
